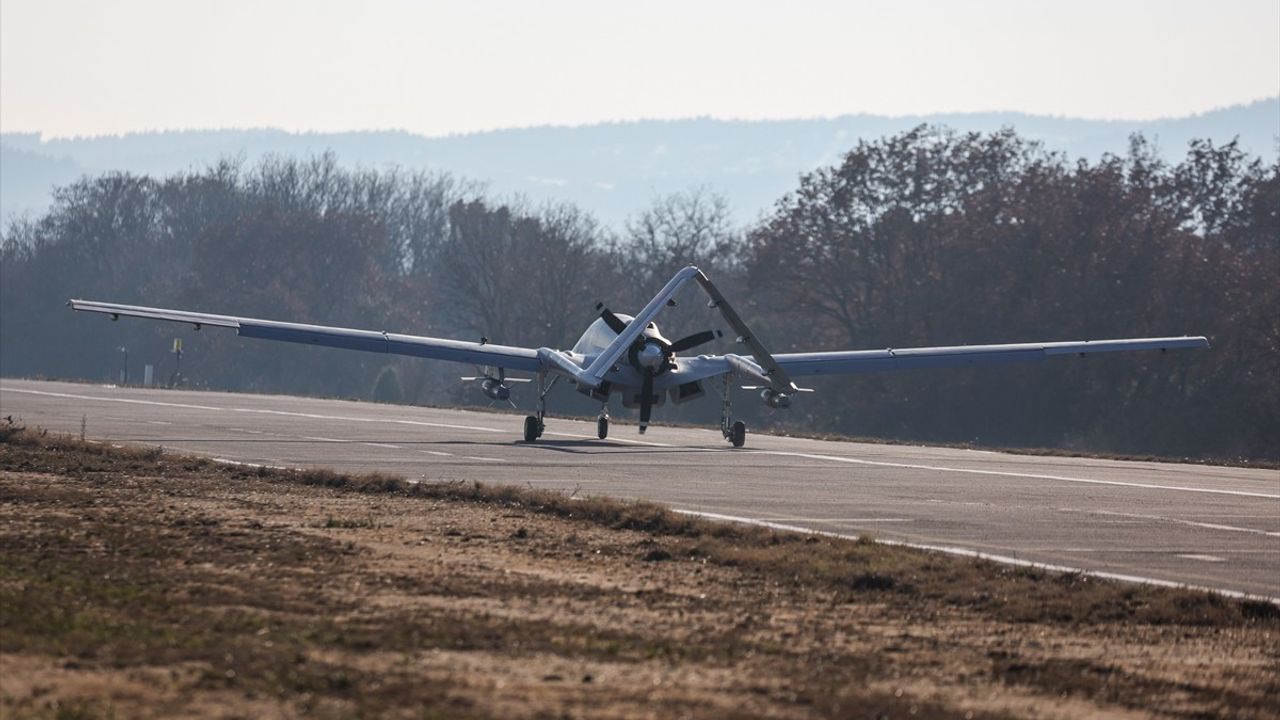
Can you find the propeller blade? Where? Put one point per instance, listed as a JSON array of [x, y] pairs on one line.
[[646, 400], [694, 340], [614, 322]]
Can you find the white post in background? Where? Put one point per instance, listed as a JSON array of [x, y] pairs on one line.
[[148, 372]]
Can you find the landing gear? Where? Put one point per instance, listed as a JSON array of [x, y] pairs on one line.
[[602, 424], [734, 432], [534, 425]]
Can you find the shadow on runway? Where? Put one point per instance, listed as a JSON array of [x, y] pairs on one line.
[[605, 447], [584, 446]]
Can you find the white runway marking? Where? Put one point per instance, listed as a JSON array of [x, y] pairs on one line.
[[259, 411], [1192, 523], [839, 520], [1205, 558], [1004, 473], [621, 440], [780, 453], [388, 446], [939, 468], [229, 461], [347, 418], [1002, 559]]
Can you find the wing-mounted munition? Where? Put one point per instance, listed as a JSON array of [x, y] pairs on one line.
[[630, 356], [775, 399], [494, 383], [494, 388]]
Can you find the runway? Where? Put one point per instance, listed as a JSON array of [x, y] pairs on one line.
[[1216, 527]]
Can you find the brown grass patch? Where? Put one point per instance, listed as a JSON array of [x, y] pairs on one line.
[[135, 581]]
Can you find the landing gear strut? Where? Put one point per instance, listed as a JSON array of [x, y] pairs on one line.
[[534, 425], [734, 432], [602, 423]]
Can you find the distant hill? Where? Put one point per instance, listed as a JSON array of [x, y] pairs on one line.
[[610, 169]]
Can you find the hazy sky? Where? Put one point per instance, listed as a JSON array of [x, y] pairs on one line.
[[88, 67]]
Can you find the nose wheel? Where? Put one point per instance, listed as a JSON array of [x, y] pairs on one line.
[[602, 424]]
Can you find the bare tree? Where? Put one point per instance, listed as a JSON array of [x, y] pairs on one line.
[[691, 227]]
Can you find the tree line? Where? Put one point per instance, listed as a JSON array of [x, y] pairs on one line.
[[928, 237]]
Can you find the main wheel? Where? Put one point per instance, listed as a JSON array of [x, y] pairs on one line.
[[602, 427], [738, 435], [531, 429]]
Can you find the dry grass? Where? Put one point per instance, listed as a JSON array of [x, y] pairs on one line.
[[838, 565], [846, 567], [186, 586]]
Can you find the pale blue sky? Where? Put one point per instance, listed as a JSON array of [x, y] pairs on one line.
[[85, 67]]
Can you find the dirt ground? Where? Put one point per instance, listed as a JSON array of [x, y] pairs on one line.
[[136, 584]]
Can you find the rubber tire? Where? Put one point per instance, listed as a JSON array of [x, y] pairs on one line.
[[738, 435], [531, 429], [602, 428]]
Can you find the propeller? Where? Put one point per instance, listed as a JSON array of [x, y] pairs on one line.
[[614, 322], [651, 355], [646, 400], [694, 340], [617, 325]]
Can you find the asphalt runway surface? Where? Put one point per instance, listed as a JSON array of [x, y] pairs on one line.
[[1204, 526]]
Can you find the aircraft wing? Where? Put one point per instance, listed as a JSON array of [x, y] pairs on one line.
[[474, 353], [862, 361]]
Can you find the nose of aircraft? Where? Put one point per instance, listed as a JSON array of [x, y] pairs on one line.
[[650, 356]]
